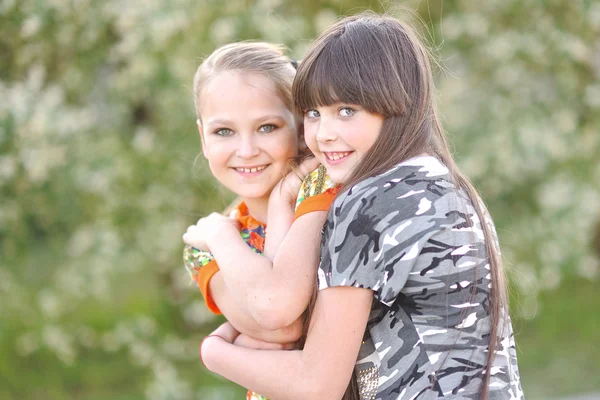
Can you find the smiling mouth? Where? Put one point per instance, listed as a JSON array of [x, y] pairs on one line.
[[335, 156], [251, 169]]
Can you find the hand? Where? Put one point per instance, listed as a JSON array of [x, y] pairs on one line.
[[287, 189], [226, 332], [251, 343], [206, 228]]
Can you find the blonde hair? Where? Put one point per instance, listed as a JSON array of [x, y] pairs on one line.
[[253, 57]]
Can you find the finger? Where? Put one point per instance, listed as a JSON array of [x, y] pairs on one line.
[[203, 219], [292, 182], [288, 346], [187, 239], [276, 346], [251, 343], [307, 166], [191, 229], [227, 331], [244, 341]]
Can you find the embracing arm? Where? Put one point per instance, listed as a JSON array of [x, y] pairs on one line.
[[274, 293], [322, 370], [243, 322], [221, 298], [204, 271]]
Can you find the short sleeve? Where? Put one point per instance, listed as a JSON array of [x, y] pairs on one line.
[[194, 260], [371, 240], [317, 193], [201, 267]]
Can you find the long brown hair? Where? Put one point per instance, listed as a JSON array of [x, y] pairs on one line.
[[379, 63]]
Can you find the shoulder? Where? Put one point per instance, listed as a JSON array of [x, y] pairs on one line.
[[410, 188], [316, 183]]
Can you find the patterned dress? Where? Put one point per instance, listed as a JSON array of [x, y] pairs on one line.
[[316, 194], [415, 240]]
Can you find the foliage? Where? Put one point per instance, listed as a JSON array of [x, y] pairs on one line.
[[99, 177]]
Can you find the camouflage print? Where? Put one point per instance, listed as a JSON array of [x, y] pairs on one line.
[[405, 234]]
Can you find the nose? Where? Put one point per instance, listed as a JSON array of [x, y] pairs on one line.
[[326, 130], [247, 147]]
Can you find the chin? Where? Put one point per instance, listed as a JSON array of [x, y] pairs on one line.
[[338, 177], [253, 194]]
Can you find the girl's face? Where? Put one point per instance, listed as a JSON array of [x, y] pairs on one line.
[[340, 135], [248, 135]]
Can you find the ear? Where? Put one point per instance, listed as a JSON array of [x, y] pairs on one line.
[[201, 132]]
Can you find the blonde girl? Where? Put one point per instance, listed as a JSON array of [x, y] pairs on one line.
[[250, 134]]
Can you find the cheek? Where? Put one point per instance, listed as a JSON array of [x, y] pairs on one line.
[[374, 130], [310, 137], [216, 154], [285, 147], [360, 139]]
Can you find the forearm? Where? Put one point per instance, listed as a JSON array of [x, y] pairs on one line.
[[242, 269], [321, 370], [281, 218], [255, 285], [243, 321], [295, 271], [294, 380], [275, 295]]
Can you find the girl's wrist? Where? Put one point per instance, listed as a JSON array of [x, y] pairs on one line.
[[279, 205]]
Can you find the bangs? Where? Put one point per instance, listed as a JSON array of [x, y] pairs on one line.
[[350, 68], [318, 85]]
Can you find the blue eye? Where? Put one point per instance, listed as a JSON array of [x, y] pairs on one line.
[[346, 112], [267, 128], [224, 132], [312, 114]]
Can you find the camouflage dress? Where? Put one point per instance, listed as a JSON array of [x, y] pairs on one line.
[[415, 240]]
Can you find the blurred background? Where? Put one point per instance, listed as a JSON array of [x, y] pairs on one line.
[[99, 179]]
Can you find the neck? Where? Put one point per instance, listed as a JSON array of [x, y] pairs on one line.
[[257, 207]]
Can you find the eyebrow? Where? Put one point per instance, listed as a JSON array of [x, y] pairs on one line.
[[218, 122], [270, 117], [213, 122]]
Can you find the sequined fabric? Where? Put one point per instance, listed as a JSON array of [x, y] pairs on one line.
[[317, 182], [368, 382], [194, 259], [254, 396]]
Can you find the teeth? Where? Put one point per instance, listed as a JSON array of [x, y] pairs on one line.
[[249, 170], [337, 156]]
